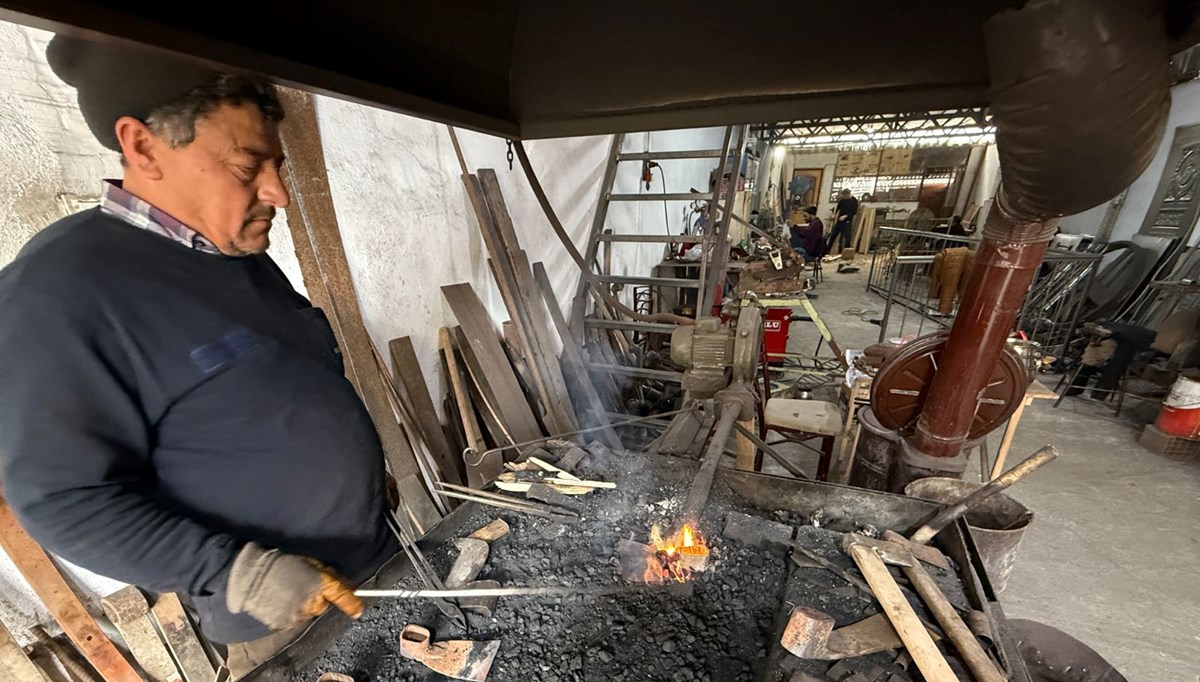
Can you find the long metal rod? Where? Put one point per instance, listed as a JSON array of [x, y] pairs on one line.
[[505, 502], [425, 572], [561, 436], [770, 451], [693, 504], [548, 591], [887, 306], [718, 252]]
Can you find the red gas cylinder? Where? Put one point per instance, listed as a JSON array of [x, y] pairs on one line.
[[1180, 411], [775, 333]]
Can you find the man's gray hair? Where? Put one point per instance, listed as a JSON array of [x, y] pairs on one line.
[[175, 122]]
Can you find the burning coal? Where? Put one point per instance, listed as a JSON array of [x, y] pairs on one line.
[[676, 558]]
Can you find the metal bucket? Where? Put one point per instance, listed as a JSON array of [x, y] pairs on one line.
[[875, 455], [997, 525]]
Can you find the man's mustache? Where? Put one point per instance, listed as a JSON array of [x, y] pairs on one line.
[[267, 214]]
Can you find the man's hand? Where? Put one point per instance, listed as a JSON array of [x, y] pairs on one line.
[[281, 590]]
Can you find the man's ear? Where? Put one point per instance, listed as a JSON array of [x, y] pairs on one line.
[[139, 146]]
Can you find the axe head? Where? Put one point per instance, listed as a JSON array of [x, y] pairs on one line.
[[807, 632], [460, 659]]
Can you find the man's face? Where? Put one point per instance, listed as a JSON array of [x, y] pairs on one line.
[[226, 184]]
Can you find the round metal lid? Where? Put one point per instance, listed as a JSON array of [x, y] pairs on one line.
[[900, 387]]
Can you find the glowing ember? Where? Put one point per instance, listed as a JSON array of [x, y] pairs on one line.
[[676, 558]]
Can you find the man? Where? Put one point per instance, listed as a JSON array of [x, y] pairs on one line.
[[809, 238], [172, 413], [843, 222]]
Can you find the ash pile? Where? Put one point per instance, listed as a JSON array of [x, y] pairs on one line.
[[629, 607]]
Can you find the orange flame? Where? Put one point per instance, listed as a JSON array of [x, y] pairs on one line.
[[679, 557]]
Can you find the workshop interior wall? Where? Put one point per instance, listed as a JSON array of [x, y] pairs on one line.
[[406, 223], [1185, 110], [823, 159]]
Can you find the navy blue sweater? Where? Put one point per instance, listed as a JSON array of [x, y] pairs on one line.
[[161, 406]]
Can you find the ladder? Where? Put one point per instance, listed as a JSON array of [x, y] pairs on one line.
[[712, 265]]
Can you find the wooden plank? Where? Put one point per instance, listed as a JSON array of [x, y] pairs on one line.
[[407, 372], [545, 338], [50, 586], [129, 611], [15, 665], [496, 373], [312, 219], [519, 296], [502, 273], [481, 394], [521, 370], [181, 638], [573, 358], [456, 381]]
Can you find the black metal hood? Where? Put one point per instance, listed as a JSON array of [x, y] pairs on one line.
[[550, 68]]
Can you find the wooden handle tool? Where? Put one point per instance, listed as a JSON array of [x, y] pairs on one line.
[[920, 645], [951, 512]]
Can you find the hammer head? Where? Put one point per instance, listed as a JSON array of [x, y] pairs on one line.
[[891, 552]]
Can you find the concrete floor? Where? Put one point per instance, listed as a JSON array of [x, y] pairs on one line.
[[1113, 554]]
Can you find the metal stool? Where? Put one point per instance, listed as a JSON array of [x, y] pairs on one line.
[[801, 420]]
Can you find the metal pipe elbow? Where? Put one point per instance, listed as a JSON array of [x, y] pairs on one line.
[[1080, 96]]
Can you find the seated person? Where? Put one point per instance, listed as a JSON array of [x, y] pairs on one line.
[[808, 239]]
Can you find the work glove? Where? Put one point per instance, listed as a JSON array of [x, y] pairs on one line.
[[282, 590]]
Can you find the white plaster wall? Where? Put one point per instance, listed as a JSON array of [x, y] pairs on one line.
[[1185, 110], [408, 227], [49, 160]]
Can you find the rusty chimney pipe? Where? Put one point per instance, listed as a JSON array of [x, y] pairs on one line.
[[1080, 100]]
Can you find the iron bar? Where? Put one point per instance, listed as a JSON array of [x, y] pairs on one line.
[[693, 504], [546, 591], [562, 436], [770, 451], [505, 502], [719, 247], [891, 296]]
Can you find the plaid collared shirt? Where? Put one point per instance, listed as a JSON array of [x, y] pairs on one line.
[[115, 201]]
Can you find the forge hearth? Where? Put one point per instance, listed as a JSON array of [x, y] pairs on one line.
[[724, 627], [723, 631]]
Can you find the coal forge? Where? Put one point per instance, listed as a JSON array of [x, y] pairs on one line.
[[739, 575]]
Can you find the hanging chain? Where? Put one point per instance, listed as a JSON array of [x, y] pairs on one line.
[[509, 155]]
